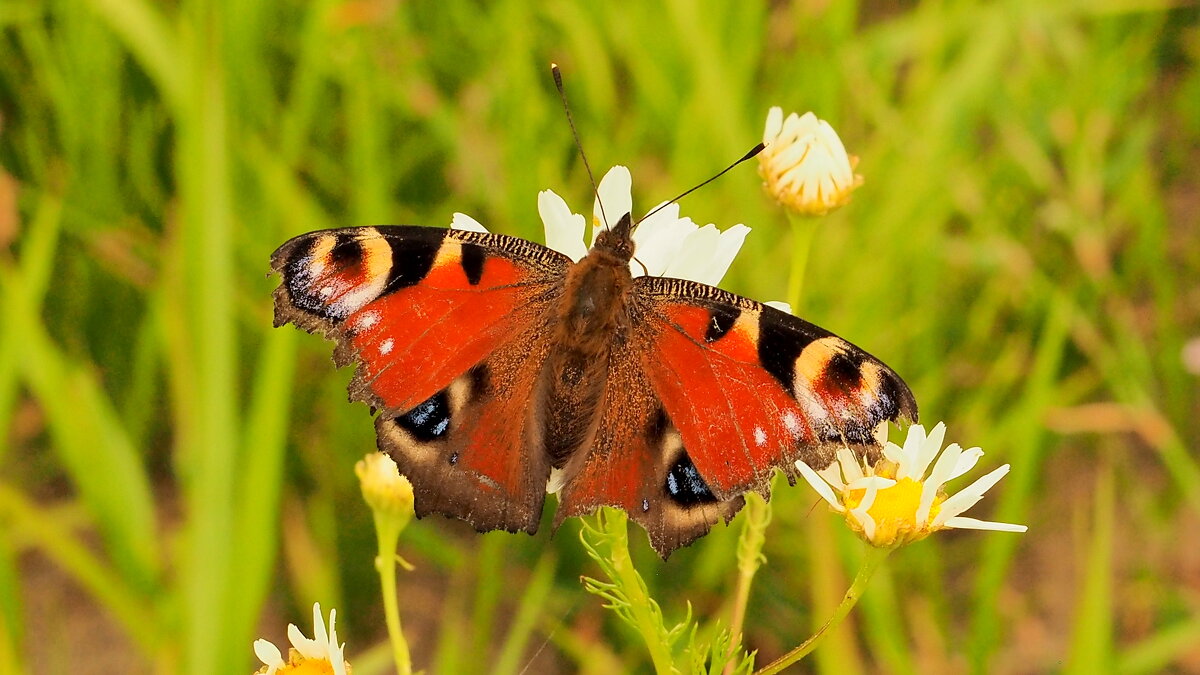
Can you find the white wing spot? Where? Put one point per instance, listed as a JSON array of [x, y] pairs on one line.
[[326, 291], [792, 423], [367, 320], [760, 437], [385, 347]]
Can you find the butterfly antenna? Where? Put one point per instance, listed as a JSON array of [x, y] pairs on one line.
[[749, 155], [562, 94]]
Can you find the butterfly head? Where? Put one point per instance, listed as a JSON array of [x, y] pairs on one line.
[[616, 243]]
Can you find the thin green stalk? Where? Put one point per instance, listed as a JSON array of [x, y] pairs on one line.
[[750, 558], [804, 231], [387, 534], [874, 558], [649, 625]]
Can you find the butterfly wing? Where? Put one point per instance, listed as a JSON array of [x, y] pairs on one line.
[[448, 329], [781, 388], [710, 394]]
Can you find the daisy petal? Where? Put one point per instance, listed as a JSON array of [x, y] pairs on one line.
[[968, 496], [833, 475], [819, 485], [909, 454], [319, 633], [307, 648], [728, 245], [774, 124], [941, 473], [929, 450], [893, 452], [269, 654], [461, 221], [862, 512], [851, 469], [962, 523], [564, 230], [866, 521], [871, 483], [694, 261], [336, 656], [966, 462], [615, 192], [658, 240]]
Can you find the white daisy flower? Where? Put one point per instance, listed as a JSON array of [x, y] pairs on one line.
[[805, 166], [899, 500], [665, 244], [322, 654]]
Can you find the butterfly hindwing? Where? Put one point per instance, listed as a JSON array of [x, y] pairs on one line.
[[753, 389], [428, 315], [472, 451]]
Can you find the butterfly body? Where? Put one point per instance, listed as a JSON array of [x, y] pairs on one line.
[[501, 369]]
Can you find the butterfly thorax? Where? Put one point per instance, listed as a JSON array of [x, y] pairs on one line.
[[593, 315]]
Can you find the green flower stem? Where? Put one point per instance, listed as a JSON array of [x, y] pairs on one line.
[[750, 558], [387, 533], [804, 230], [874, 558], [615, 523]]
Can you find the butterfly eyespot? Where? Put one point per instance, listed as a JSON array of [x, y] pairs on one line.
[[428, 421], [685, 486], [334, 275], [844, 372]]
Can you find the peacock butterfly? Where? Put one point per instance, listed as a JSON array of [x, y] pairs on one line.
[[501, 369]]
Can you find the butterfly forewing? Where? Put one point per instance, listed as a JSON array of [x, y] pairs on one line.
[[753, 389], [447, 328]]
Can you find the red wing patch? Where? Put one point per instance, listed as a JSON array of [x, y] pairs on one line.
[[412, 342], [414, 306], [737, 422]]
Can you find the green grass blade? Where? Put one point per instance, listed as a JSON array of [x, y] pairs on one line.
[[1091, 648]]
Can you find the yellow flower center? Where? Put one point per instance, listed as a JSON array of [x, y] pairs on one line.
[[894, 512], [308, 667]]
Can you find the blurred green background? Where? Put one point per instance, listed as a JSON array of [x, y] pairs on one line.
[[176, 477]]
